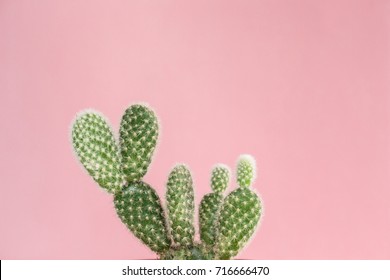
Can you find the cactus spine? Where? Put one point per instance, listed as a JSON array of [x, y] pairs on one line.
[[226, 224]]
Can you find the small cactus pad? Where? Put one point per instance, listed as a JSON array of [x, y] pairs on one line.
[[246, 170], [208, 216], [240, 213], [139, 208], [138, 138], [180, 204], [97, 150], [220, 177]]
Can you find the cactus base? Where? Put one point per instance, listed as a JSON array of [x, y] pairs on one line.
[[195, 252]]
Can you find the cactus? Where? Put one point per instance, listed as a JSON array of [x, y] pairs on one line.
[[119, 165]]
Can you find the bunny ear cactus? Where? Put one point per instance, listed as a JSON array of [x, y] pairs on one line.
[[118, 166]]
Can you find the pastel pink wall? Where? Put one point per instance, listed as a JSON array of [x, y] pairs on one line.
[[301, 85]]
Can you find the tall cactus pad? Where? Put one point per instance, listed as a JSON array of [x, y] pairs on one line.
[[220, 177], [97, 150], [208, 216], [211, 204], [180, 204], [139, 208], [246, 170], [238, 219], [138, 138]]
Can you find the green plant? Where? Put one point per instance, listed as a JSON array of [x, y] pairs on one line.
[[226, 223]]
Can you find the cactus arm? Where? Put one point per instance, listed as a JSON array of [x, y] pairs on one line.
[[246, 170], [180, 205], [138, 139], [97, 150], [238, 219], [220, 177], [208, 216], [240, 212], [139, 208], [211, 204]]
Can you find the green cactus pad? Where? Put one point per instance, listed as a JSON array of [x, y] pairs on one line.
[[211, 204], [246, 170], [220, 177], [138, 138], [239, 216], [180, 204], [208, 216], [97, 150], [139, 208]]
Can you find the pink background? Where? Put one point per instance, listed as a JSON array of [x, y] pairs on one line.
[[301, 85]]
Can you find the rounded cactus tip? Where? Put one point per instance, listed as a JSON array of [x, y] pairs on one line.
[[141, 107], [246, 170], [179, 169], [81, 116], [220, 177]]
